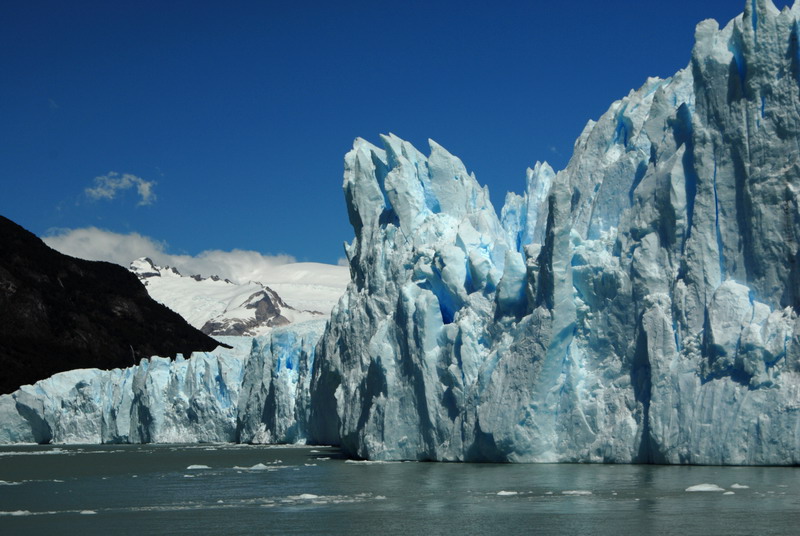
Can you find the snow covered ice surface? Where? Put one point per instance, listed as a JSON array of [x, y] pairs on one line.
[[638, 306], [306, 291], [309, 286]]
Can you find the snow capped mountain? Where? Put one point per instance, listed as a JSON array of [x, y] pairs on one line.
[[221, 307]]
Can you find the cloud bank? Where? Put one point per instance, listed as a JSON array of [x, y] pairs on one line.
[[110, 185], [96, 244]]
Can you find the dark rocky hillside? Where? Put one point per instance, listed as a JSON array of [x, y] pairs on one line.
[[60, 313]]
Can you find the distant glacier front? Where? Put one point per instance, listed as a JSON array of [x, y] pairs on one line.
[[639, 306], [251, 392]]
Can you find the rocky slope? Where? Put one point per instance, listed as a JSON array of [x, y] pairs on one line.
[[60, 313]]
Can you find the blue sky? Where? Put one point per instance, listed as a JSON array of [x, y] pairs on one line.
[[222, 125]]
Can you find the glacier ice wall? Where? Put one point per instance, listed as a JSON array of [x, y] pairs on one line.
[[273, 402], [638, 306], [157, 401], [255, 392]]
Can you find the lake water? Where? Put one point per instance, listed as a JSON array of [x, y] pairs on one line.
[[237, 489]]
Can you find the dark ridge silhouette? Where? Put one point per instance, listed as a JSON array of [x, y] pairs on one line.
[[60, 313]]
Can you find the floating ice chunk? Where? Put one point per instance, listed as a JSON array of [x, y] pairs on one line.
[[705, 487], [307, 496], [198, 466], [729, 493], [88, 512], [17, 513], [507, 493], [258, 467], [578, 492], [5, 483], [739, 486]]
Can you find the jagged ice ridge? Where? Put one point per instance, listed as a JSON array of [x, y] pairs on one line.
[[638, 306]]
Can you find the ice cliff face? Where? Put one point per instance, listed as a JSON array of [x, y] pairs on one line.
[[254, 392], [274, 397], [638, 306], [159, 401]]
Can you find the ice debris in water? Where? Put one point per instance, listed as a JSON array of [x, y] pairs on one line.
[[705, 487]]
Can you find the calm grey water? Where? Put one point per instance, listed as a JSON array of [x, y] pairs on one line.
[[232, 489]]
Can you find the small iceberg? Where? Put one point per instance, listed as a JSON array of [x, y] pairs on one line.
[[705, 487]]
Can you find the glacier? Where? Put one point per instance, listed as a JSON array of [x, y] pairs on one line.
[[638, 306], [246, 393]]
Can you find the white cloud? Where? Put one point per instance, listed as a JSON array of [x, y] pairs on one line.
[[110, 185], [96, 244]]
